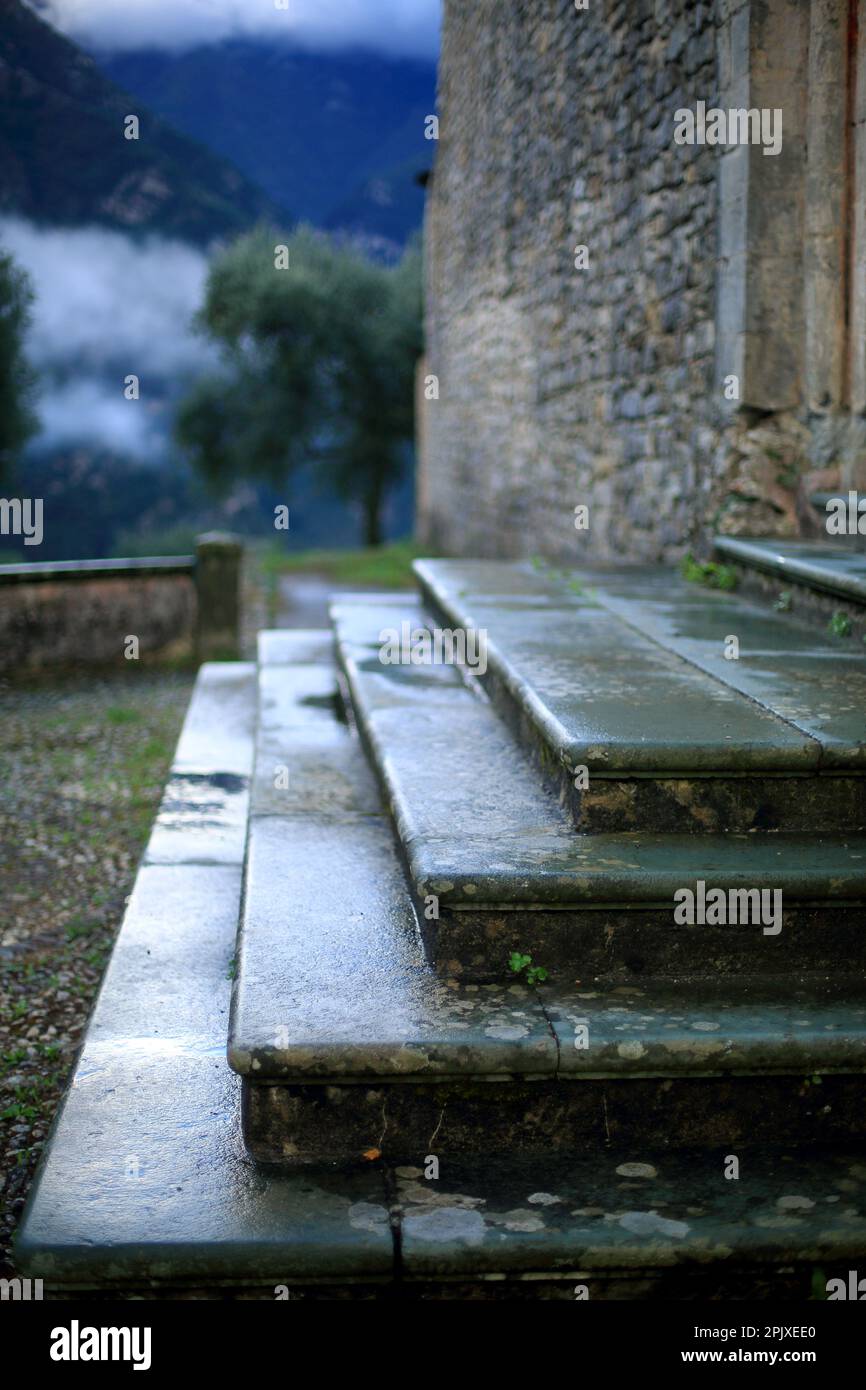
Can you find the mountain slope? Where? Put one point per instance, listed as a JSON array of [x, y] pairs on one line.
[[65, 159], [337, 137]]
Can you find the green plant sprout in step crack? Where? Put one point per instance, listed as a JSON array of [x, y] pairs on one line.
[[709, 573], [839, 625], [518, 963]]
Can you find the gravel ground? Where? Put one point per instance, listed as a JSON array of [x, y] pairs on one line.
[[82, 763]]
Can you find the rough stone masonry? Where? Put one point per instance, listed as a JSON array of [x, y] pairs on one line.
[[700, 366]]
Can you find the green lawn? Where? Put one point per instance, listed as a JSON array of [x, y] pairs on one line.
[[384, 566]]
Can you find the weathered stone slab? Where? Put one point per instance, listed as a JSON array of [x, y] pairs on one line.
[[617, 945], [631, 1209], [203, 815], [447, 764], [297, 695], [657, 1029], [348, 1045], [217, 734], [317, 776], [332, 980], [408, 1121], [835, 569], [202, 819], [782, 666], [146, 1180], [642, 870], [293, 646], [566, 675], [159, 993], [601, 694], [495, 853]]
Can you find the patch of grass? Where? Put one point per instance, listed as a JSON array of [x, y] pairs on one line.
[[783, 602], [708, 573], [116, 714], [383, 566], [79, 926], [19, 1111]]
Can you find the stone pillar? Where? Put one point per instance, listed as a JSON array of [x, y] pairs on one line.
[[217, 581], [763, 51]]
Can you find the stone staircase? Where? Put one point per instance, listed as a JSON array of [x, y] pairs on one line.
[[822, 582], [673, 1110]]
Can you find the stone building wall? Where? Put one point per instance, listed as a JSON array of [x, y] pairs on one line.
[[604, 386]]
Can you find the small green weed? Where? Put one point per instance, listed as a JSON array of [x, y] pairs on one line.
[[535, 974], [708, 573], [839, 625]]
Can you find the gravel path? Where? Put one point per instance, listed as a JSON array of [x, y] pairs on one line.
[[82, 765]]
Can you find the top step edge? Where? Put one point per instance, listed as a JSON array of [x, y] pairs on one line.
[[806, 562], [775, 747], [293, 646]]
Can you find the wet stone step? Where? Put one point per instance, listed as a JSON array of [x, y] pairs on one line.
[[496, 867], [830, 568], [657, 1066], [297, 1125], [350, 1045], [145, 1183], [146, 1186], [814, 684], [593, 1219], [631, 731]]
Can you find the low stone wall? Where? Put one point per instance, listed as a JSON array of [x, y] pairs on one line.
[[100, 612]]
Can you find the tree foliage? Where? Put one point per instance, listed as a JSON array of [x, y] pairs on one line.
[[16, 379], [318, 366]]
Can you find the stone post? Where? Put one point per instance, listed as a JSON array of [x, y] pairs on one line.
[[217, 582]]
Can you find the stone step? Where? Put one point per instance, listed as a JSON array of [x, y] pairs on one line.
[[146, 1189], [595, 1220], [496, 867], [348, 1043], [830, 566], [820, 582], [813, 684], [664, 741], [145, 1186]]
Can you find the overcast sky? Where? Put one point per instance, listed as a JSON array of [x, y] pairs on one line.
[[405, 27]]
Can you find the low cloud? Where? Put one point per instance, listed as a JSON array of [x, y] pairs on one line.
[[88, 413], [407, 28], [105, 300], [107, 307]]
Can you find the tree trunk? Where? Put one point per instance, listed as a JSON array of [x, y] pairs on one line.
[[373, 514]]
